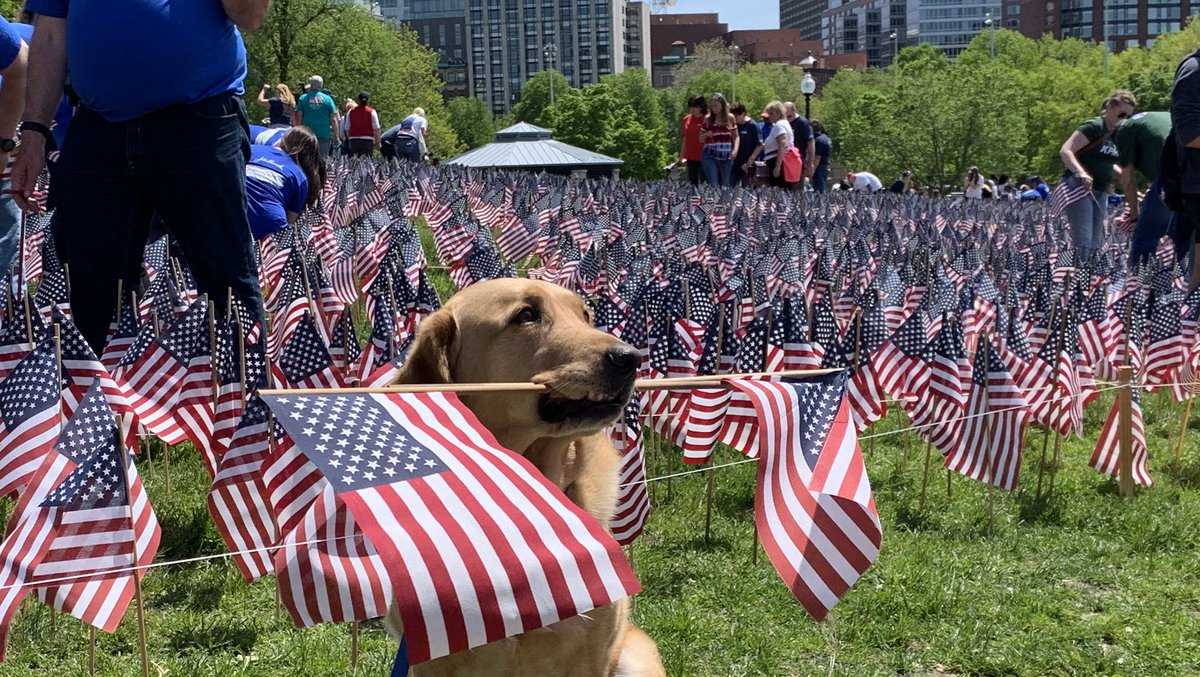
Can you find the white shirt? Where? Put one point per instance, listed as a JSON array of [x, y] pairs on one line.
[[774, 142], [867, 182], [418, 125], [974, 192]]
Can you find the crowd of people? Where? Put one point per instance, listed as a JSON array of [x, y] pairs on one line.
[[167, 145], [723, 146]]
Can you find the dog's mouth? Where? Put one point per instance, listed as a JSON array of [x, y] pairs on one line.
[[593, 408]]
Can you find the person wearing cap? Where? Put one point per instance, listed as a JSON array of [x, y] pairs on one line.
[[362, 127], [160, 129], [317, 111]]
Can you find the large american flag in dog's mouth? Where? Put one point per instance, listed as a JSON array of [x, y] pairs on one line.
[[479, 545]]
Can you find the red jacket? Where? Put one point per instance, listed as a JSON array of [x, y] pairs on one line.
[[362, 122]]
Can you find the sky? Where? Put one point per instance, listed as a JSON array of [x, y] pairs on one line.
[[765, 13]]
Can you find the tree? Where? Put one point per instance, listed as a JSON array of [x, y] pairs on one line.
[[471, 121], [711, 55], [353, 52], [596, 118], [535, 96]]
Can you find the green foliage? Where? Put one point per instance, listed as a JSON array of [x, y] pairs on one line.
[[9, 9], [471, 121], [535, 97], [353, 52], [1008, 114], [598, 118]]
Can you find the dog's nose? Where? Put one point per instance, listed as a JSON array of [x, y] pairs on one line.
[[622, 359]]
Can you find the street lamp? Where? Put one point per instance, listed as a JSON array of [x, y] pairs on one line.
[[733, 57], [895, 45], [991, 26], [807, 87], [549, 53]]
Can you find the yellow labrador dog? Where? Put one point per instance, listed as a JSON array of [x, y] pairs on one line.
[[514, 330]]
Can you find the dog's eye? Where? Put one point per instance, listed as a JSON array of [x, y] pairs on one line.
[[526, 315]]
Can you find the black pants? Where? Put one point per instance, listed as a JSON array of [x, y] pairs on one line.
[[186, 163], [695, 172], [362, 147]]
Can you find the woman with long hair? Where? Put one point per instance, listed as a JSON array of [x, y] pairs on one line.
[[1089, 157], [280, 106], [973, 184], [719, 136], [282, 180], [777, 141]]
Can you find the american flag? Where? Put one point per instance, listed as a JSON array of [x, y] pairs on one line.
[[15, 341], [30, 412], [230, 389], [990, 436], [633, 496], [813, 507], [900, 363], [1165, 351], [305, 361], [1106, 456], [99, 515], [237, 499], [121, 333], [422, 471], [1067, 193]]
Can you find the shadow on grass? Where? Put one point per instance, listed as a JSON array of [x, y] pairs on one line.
[[1186, 475], [196, 593], [215, 637], [1045, 510]]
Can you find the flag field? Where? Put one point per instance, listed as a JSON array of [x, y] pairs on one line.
[[1080, 583]]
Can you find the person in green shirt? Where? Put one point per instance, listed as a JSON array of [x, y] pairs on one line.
[[1090, 157], [1140, 142], [317, 111]]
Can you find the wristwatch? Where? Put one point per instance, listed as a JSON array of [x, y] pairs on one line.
[[31, 126], [7, 145]]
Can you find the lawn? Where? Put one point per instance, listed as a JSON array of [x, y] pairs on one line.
[[1081, 583]]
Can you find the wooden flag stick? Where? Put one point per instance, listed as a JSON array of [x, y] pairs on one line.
[[1187, 413], [1125, 431], [949, 489], [925, 475], [712, 453], [684, 383], [123, 459], [354, 646], [986, 343], [213, 358], [91, 651]]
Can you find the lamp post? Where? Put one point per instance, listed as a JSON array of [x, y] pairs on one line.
[[895, 45], [807, 87], [733, 58], [549, 53], [991, 26]]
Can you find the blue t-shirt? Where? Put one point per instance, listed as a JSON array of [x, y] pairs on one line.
[[10, 42], [275, 185], [824, 149], [267, 136], [315, 109], [132, 57]]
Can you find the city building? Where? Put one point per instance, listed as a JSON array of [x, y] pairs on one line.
[[803, 14], [511, 40], [441, 26], [1120, 23], [878, 28], [950, 25], [780, 45], [637, 35]]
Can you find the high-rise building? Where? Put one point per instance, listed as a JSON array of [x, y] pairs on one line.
[[803, 14], [879, 28], [1120, 23], [441, 26], [510, 40], [637, 35], [950, 25]]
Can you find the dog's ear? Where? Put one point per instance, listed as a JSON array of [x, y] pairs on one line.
[[429, 358]]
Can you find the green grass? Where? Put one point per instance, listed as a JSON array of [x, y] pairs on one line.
[[1082, 583]]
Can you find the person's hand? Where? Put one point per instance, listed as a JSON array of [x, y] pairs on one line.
[[1086, 179], [31, 158]]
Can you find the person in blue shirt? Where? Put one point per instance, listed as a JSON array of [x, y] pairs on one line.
[[160, 129], [824, 149], [13, 65], [282, 180], [267, 136]]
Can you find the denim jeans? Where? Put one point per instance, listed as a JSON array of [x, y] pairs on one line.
[[820, 178], [1154, 221], [186, 164], [716, 172], [10, 227], [1086, 217]]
